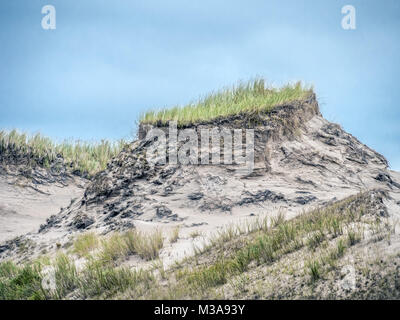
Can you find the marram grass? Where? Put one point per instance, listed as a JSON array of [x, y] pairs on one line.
[[252, 96], [90, 158], [241, 250], [85, 157]]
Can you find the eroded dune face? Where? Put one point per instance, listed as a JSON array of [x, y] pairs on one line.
[[302, 161], [31, 192]]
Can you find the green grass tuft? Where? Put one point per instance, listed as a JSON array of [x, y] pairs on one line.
[[314, 270], [85, 243], [252, 96], [84, 157], [20, 282]]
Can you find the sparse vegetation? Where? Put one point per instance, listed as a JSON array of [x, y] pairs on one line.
[[99, 280], [146, 245], [315, 239], [20, 282], [113, 248], [314, 269], [353, 237], [85, 243], [252, 96], [118, 246], [175, 235], [195, 234], [307, 248], [84, 157], [65, 274]]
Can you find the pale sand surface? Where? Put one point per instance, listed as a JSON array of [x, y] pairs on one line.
[[23, 209]]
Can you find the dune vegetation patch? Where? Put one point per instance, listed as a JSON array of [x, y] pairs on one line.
[[83, 157], [85, 243], [251, 96], [269, 257]]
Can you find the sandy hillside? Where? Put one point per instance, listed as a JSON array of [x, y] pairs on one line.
[[302, 161], [317, 201]]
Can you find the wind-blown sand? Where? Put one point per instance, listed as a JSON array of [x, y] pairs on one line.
[[23, 209]]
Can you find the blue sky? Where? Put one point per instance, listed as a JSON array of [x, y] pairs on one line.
[[108, 61]]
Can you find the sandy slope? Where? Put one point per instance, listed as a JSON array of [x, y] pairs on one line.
[[302, 162], [23, 209]]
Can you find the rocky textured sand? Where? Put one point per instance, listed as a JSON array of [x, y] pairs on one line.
[[302, 161]]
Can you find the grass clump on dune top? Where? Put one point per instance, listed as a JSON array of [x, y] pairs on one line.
[[252, 96], [84, 157]]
